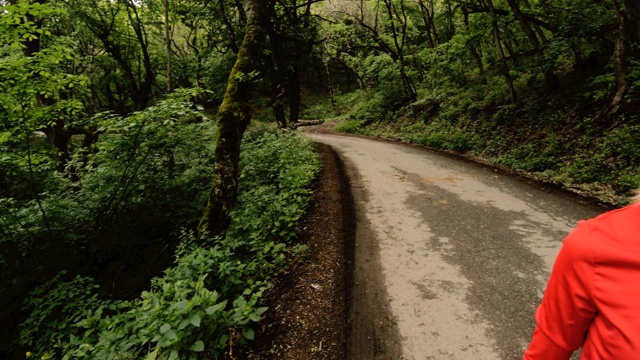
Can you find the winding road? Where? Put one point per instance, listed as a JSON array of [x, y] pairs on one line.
[[451, 258]]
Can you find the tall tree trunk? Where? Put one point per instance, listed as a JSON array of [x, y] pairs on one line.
[[503, 62], [277, 94], [278, 65], [57, 133], [619, 63], [399, 41], [232, 34], [142, 97], [167, 37], [277, 86], [427, 19], [451, 29], [332, 92], [233, 117], [472, 47], [524, 24]]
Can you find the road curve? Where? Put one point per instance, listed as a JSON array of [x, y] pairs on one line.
[[451, 258]]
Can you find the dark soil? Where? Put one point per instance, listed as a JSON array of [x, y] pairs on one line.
[[308, 304]]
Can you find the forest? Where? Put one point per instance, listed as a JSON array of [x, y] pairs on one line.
[[151, 181]]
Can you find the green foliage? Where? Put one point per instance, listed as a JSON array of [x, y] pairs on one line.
[[545, 142], [526, 158], [144, 179], [380, 106], [531, 95], [54, 310], [16, 23], [349, 126], [23, 79], [40, 75], [155, 162], [615, 156], [215, 72], [455, 141], [210, 299], [179, 314]]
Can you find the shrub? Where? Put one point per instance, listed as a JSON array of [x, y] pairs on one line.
[[212, 295], [350, 126]]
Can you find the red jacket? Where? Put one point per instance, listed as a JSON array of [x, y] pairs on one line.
[[593, 295]]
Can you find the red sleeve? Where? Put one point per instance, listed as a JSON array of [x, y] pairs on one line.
[[567, 308]]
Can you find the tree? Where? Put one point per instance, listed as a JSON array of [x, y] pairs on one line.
[[292, 36], [498, 42], [167, 39], [234, 115], [39, 90], [628, 32], [115, 24], [386, 25]]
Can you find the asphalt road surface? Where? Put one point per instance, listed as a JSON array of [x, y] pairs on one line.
[[451, 258]]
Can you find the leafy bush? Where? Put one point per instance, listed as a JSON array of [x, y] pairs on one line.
[[615, 157], [54, 309], [208, 300], [157, 161], [350, 126], [534, 156], [144, 179]]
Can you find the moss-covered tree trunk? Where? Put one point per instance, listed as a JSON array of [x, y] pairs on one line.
[[232, 120]]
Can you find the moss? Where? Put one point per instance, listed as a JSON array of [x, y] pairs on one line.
[[233, 117]]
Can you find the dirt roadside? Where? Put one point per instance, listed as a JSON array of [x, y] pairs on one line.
[[331, 303], [308, 304]]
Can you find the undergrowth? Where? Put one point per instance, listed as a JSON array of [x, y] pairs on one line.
[[208, 301], [541, 136]]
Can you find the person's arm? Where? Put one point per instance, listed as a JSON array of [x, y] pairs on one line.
[[567, 308]]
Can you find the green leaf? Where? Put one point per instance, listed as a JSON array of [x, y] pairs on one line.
[[170, 335], [249, 334], [5, 136], [198, 346], [223, 340], [152, 355], [183, 324], [164, 328], [195, 320], [261, 310], [213, 309], [173, 355], [181, 305]]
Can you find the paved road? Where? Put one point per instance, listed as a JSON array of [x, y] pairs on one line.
[[451, 258]]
